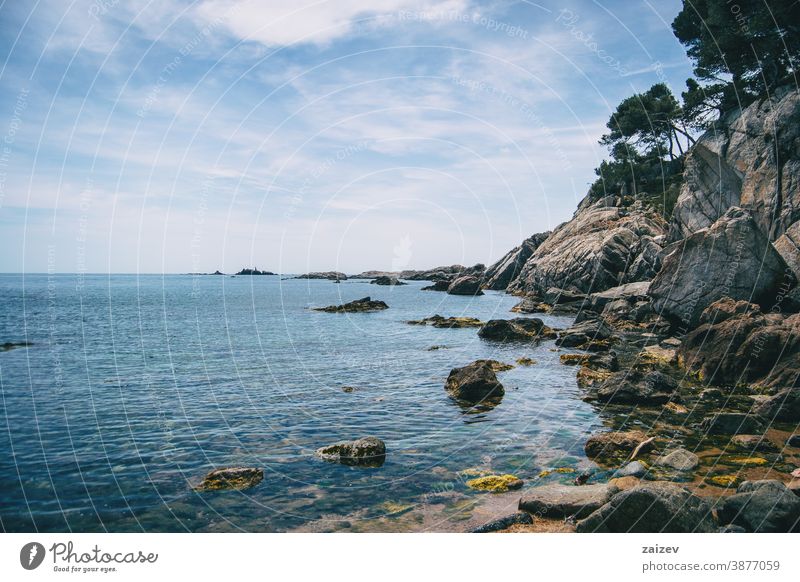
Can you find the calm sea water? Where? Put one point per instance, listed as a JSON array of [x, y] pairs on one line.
[[136, 386]]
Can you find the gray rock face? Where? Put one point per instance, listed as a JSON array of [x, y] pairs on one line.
[[590, 330], [731, 258], [679, 459], [499, 275], [363, 452], [632, 469], [467, 285], [782, 407], [751, 159], [762, 506], [730, 423], [651, 508], [559, 501], [601, 247], [474, 383]]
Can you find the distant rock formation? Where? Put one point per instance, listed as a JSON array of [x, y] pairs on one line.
[[330, 275], [254, 271]]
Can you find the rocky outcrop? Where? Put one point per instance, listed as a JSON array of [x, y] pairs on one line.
[[387, 280], [731, 258], [782, 407], [331, 275], [762, 506], [738, 343], [441, 285], [651, 508], [730, 423], [474, 383], [751, 158], [588, 334], [359, 305], [630, 292], [235, 478], [502, 273], [254, 272], [466, 285], [364, 452], [447, 273], [603, 246]]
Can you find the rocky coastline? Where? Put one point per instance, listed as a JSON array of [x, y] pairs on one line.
[[687, 333]]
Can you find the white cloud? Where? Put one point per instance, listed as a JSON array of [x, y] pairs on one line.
[[286, 22]]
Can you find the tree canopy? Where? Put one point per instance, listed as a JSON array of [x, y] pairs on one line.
[[741, 50]]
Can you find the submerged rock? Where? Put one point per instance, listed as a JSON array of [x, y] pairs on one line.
[[762, 506], [14, 345], [474, 383], [519, 518], [613, 444], [495, 483], [467, 285], [447, 322], [651, 508], [359, 305], [559, 501], [363, 452], [231, 478]]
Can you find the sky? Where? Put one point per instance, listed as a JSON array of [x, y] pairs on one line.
[[171, 137]]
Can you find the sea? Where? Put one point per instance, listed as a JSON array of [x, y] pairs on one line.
[[133, 387]]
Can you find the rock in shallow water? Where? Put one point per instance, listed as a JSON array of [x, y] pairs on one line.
[[495, 483], [614, 444], [651, 508], [364, 452], [467, 285], [638, 387], [231, 478], [359, 305], [474, 383]]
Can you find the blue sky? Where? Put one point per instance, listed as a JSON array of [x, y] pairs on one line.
[[168, 136]]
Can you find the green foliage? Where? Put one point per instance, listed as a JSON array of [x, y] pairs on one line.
[[741, 49]]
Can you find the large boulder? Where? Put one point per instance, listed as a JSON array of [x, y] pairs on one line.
[[679, 459], [585, 333], [387, 280], [630, 292], [738, 343], [363, 452], [731, 258], [559, 501], [602, 246], [474, 383], [651, 508], [467, 285], [499, 275], [762, 506]]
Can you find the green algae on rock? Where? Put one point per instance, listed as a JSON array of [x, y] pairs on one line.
[[496, 483]]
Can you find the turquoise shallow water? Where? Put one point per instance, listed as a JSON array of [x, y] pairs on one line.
[[136, 386]]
